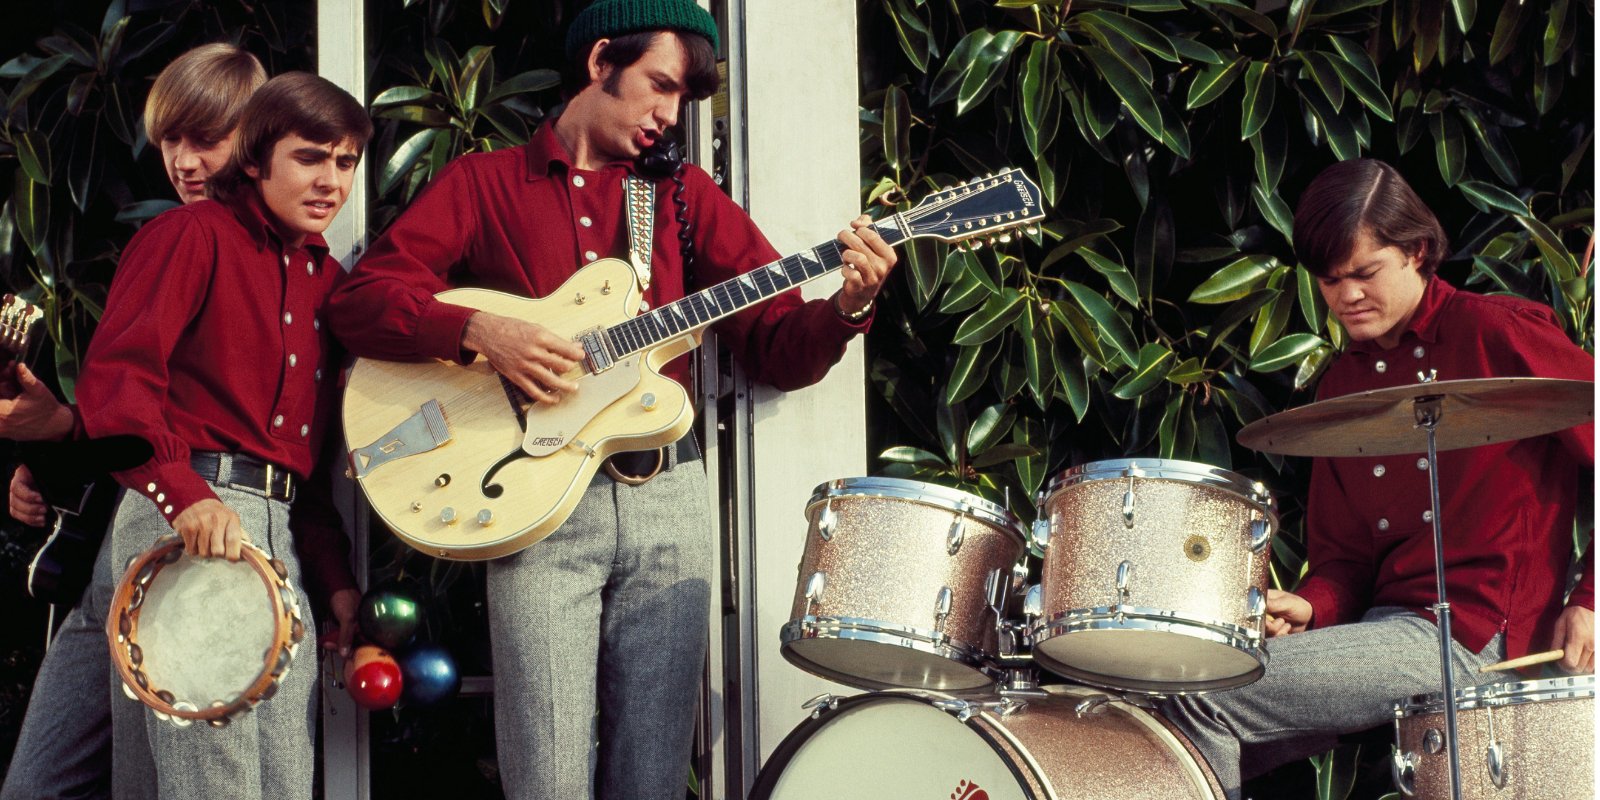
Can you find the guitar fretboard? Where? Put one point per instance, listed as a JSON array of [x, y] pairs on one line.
[[709, 305]]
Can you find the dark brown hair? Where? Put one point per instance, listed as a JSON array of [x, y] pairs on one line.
[[1364, 195], [625, 50], [202, 92], [294, 103]]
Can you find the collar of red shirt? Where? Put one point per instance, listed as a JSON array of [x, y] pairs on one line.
[[545, 152], [1425, 323], [251, 212]]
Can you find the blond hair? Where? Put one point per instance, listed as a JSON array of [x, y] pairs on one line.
[[202, 92]]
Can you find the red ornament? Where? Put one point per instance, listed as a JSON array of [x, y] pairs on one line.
[[372, 677]]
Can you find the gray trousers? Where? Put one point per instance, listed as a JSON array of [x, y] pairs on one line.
[[264, 753], [599, 644], [1319, 684]]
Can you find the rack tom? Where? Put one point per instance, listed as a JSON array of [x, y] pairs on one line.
[[1522, 740], [902, 584], [1155, 576]]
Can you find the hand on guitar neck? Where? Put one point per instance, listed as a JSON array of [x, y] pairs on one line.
[[527, 354], [28, 410], [867, 262]]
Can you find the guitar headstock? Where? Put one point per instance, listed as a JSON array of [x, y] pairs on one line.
[[18, 320], [988, 207]]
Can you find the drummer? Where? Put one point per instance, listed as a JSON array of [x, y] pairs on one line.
[[212, 347], [1357, 633]]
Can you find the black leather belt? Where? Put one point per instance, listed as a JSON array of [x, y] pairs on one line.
[[639, 466], [245, 473]]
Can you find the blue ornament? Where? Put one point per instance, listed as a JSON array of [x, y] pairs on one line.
[[430, 675]]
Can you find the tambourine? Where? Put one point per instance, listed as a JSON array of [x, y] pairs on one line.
[[202, 638]]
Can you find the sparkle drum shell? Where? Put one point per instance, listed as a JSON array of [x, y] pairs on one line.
[[1155, 576], [912, 745], [1543, 731], [901, 585], [202, 638]]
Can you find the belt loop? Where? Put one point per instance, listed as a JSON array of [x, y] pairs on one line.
[[669, 457], [224, 468]]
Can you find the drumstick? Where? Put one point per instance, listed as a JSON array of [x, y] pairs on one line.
[[1525, 661]]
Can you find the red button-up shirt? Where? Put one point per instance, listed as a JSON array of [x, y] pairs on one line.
[[1507, 508], [523, 220], [213, 339]]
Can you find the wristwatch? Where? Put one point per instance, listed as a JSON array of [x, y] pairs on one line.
[[851, 317]]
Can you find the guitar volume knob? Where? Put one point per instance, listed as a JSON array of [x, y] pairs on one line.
[[485, 517], [448, 515], [648, 401]]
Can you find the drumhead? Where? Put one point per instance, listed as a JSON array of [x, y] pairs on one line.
[[1167, 469], [205, 631], [1507, 693], [1171, 661], [876, 659], [886, 746], [926, 493]]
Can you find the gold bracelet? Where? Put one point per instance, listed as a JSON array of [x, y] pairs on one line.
[[849, 317]]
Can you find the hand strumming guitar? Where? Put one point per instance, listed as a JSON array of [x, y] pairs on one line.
[[530, 355]]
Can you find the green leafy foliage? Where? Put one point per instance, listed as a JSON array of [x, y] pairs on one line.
[[1161, 308]]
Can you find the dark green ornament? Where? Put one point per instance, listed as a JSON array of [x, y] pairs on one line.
[[389, 618]]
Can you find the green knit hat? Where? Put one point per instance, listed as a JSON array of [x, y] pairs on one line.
[[606, 19]]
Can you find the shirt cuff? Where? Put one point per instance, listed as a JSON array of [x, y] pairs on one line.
[[173, 486], [1324, 600], [439, 331]]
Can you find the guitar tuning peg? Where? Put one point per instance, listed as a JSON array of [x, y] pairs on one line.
[[974, 245], [1031, 230], [1005, 238], [992, 240]]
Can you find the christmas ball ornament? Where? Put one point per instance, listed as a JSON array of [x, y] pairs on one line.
[[389, 617], [430, 675], [373, 678]]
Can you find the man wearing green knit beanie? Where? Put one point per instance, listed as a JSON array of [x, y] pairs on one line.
[[599, 630]]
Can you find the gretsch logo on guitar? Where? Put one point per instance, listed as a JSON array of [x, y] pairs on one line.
[[462, 465]]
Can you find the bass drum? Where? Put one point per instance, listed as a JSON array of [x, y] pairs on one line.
[[1071, 744]]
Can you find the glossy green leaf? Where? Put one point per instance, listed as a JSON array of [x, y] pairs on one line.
[[904, 454], [1273, 319], [1168, 431], [1000, 454], [35, 77], [1030, 433], [1491, 198], [1187, 371], [1153, 245], [1080, 329], [991, 424], [983, 69], [422, 115], [996, 314], [1547, 85], [912, 32], [1271, 148], [1465, 12], [1211, 445], [1034, 341], [970, 372], [1250, 17], [1311, 367], [1556, 257], [1041, 100], [1210, 83], [31, 210], [1313, 308], [1496, 150], [1117, 275], [1121, 47], [896, 128], [1364, 88], [1260, 84], [966, 292], [405, 158], [477, 71], [1073, 383], [1074, 235], [1409, 121], [1275, 210], [1449, 146], [1342, 138], [1326, 76], [1109, 323], [1429, 35], [1191, 50], [1285, 352], [1174, 134], [534, 80], [1140, 103], [1146, 36], [400, 95], [1151, 366], [1234, 280], [1505, 276], [33, 150], [1514, 14], [1558, 32]]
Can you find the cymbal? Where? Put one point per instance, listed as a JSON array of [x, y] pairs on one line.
[[1382, 422]]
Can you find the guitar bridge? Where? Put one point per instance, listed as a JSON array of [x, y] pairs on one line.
[[423, 431]]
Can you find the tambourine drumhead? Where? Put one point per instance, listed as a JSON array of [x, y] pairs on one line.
[[202, 638]]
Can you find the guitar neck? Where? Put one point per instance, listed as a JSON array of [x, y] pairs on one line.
[[736, 294]]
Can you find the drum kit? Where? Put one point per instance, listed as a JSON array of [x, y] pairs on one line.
[[1153, 583]]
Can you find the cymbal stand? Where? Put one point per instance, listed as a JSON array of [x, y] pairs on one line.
[[1428, 410]]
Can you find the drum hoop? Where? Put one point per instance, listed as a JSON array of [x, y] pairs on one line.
[[928, 494], [284, 617], [1254, 492], [873, 630], [1141, 618], [1500, 695]]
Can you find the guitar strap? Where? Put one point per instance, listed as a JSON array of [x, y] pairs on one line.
[[639, 203]]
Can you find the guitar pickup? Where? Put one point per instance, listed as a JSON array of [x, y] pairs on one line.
[[596, 356], [423, 431]]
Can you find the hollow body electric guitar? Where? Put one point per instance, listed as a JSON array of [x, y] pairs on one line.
[[462, 465]]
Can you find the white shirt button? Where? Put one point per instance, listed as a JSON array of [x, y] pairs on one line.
[[292, 359], [1422, 464], [305, 429], [316, 324], [590, 255], [644, 305], [311, 269], [1378, 470], [161, 498], [167, 510], [1419, 353], [1427, 516], [150, 487], [319, 373], [288, 319], [1381, 366], [585, 221], [1383, 524], [577, 180], [286, 259], [277, 422]]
